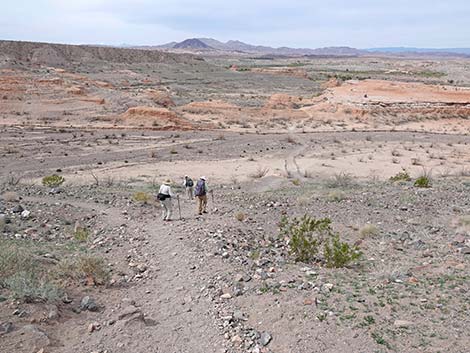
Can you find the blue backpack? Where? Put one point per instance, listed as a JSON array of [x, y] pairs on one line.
[[200, 189]]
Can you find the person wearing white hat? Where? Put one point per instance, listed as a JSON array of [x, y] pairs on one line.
[[200, 192], [164, 196]]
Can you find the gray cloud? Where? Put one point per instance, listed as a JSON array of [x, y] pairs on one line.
[[360, 23]]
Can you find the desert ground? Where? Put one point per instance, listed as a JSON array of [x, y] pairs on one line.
[[378, 146]]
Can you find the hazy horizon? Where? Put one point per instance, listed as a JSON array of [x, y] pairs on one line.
[[299, 24]]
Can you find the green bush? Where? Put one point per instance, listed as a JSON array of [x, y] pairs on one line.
[[423, 182], [401, 176], [308, 235], [338, 253], [81, 235], [53, 180]]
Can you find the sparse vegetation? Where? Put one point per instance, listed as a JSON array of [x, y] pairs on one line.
[[369, 230], [401, 176], [141, 196], [308, 235], [53, 181], [341, 180], [424, 180], [240, 216], [259, 173]]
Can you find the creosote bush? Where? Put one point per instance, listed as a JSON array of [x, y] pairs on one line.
[[53, 180], [313, 239]]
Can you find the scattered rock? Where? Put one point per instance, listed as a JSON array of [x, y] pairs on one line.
[[226, 296], [6, 327], [265, 338], [17, 209], [402, 323], [94, 326], [89, 304]]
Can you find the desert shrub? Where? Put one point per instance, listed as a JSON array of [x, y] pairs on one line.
[[464, 221], [339, 254], [81, 234], [23, 275], [341, 180], [14, 259], [423, 182], [369, 230], [240, 216], [259, 173], [296, 182], [53, 180], [9, 196], [141, 196], [25, 285], [89, 268], [336, 196], [401, 176], [307, 235]]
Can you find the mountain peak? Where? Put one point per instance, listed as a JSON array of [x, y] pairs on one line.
[[192, 43]]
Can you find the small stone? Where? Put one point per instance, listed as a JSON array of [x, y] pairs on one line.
[[328, 286], [308, 301], [17, 209], [94, 326], [265, 339], [89, 304], [226, 296], [25, 214], [237, 340], [402, 323], [5, 328], [465, 251]]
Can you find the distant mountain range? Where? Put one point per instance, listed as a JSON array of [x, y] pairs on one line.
[[213, 46], [209, 45]]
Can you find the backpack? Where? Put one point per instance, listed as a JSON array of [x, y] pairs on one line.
[[200, 188], [162, 197], [189, 183]]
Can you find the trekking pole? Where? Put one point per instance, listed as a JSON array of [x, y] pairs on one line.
[[212, 194], [179, 206]]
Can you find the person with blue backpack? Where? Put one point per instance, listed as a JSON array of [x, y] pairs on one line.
[[200, 192], [188, 184]]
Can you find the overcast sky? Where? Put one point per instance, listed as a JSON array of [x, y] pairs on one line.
[[294, 23]]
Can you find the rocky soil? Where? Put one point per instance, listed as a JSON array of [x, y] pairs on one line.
[[226, 282]]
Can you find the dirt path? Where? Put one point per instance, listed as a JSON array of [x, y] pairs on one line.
[[177, 311]]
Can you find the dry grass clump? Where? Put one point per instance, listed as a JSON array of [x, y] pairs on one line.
[[85, 269], [368, 231], [259, 173], [28, 276], [240, 216], [336, 196], [141, 196], [10, 196], [341, 180]]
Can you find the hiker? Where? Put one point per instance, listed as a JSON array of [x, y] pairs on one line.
[[189, 186], [164, 196], [201, 193]]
